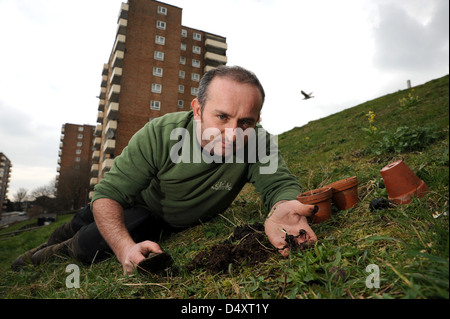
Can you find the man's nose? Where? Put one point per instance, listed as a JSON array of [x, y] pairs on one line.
[[230, 134]]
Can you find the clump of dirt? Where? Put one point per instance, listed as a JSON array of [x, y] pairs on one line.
[[293, 245], [248, 243]]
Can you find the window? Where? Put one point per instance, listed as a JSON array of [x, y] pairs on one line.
[[159, 55], [78, 152], [194, 91], [160, 40], [162, 10], [80, 129], [183, 46], [77, 159], [195, 63], [196, 49], [80, 136], [182, 60], [183, 33], [156, 88], [155, 105], [180, 88], [161, 25], [157, 71], [197, 36], [181, 74], [195, 77], [180, 104], [79, 144]]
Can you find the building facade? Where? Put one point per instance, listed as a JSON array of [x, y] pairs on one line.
[[5, 174], [74, 165], [154, 68]]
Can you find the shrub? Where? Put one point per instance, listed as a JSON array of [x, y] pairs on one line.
[[405, 139]]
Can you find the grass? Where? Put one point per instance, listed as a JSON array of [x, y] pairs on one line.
[[409, 246]]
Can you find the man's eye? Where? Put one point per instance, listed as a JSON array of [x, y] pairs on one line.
[[222, 117]]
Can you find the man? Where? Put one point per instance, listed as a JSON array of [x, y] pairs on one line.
[[158, 185]]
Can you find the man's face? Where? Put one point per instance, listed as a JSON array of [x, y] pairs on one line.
[[229, 106]]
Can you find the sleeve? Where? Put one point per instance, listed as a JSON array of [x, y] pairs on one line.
[[132, 170], [270, 175]]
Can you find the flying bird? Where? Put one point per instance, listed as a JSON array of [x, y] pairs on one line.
[[307, 96]]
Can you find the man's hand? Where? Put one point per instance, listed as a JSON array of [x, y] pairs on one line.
[[108, 215], [288, 217], [137, 253]]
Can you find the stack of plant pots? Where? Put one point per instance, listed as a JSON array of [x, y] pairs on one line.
[[343, 193], [320, 197]]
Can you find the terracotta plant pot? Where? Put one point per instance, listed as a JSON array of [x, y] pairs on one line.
[[320, 197], [345, 193], [401, 183]]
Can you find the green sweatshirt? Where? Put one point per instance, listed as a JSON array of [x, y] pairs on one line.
[[185, 193]]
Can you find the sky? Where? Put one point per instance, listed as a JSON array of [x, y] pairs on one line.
[[346, 52]]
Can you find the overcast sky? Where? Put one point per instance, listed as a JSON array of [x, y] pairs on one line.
[[347, 52]]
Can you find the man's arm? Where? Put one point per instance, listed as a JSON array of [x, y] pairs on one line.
[[108, 215]]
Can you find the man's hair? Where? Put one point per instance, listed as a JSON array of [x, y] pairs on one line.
[[235, 73]]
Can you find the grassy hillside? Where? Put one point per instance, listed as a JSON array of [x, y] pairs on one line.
[[409, 246]]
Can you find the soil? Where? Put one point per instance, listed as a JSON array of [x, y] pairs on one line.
[[248, 245]]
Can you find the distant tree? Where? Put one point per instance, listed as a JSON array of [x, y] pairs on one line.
[[48, 191], [21, 197], [73, 187]]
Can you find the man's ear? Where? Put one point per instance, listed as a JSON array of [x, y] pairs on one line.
[[196, 109]]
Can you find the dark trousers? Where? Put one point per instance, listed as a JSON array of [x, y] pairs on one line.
[[89, 245]]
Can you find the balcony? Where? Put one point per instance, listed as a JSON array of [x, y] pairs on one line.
[[215, 58], [111, 128], [104, 81], [113, 111], [116, 75], [123, 11], [102, 94], [119, 45], [107, 164], [105, 69], [95, 155], [118, 59], [93, 181], [94, 169], [122, 26], [209, 68], [98, 130], [101, 105], [100, 117], [114, 93], [109, 147], [97, 142], [214, 44]]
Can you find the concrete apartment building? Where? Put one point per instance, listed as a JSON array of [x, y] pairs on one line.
[[154, 68], [5, 174], [74, 165]]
